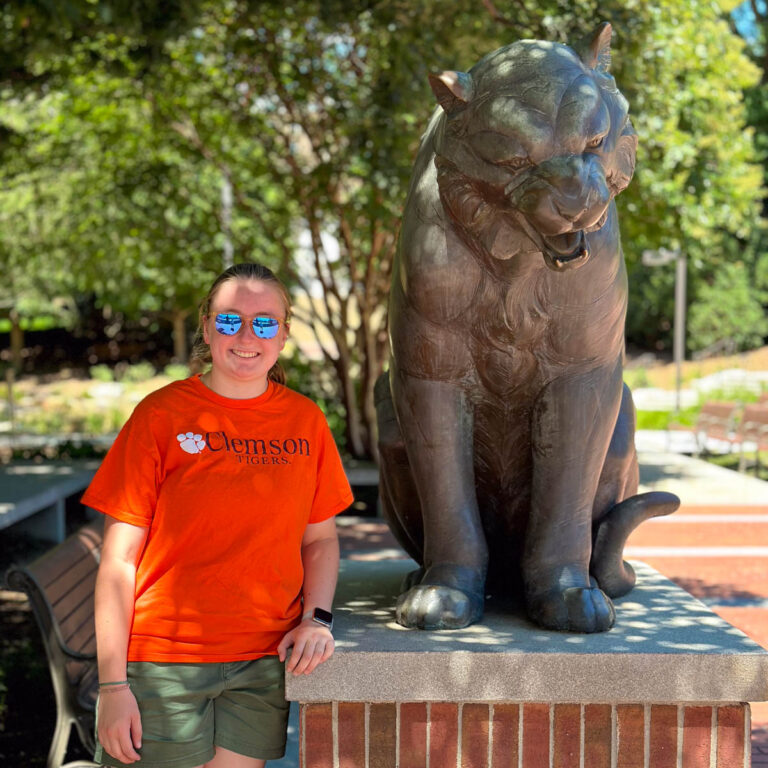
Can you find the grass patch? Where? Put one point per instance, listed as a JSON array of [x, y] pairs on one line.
[[665, 419]]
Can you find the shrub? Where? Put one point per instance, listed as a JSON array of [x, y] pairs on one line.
[[101, 372], [176, 371], [138, 372], [635, 378]]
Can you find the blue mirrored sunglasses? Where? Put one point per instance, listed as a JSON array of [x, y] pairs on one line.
[[265, 327]]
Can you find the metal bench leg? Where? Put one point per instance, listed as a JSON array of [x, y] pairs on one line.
[[49, 524], [60, 741]]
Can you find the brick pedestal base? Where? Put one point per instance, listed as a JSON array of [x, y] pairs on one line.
[[663, 689], [531, 735]]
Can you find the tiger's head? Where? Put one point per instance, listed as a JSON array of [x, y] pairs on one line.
[[534, 144]]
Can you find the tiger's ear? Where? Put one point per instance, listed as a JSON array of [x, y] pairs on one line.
[[595, 50], [624, 158], [452, 89]]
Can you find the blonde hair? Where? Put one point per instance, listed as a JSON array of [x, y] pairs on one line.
[[201, 352]]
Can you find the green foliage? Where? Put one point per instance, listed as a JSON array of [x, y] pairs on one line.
[[112, 174], [102, 422], [36, 37], [736, 394], [666, 419], [697, 185], [137, 372], [314, 381], [176, 371], [101, 372], [44, 421], [729, 308], [635, 378]]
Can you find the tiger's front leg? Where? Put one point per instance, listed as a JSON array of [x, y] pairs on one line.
[[436, 423], [572, 426]]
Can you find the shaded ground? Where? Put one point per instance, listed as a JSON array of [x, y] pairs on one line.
[[27, 707], [735, 587]]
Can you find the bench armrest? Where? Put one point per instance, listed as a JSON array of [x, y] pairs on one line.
[[21, 580]]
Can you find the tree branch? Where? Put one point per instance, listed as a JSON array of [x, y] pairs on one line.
[[496, 15]]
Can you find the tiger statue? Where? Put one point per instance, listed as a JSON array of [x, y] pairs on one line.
[[506, 435]]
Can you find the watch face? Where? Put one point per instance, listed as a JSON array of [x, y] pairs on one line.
[[321, 616]]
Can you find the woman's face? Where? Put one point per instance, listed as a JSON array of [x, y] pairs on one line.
[[242, 361]]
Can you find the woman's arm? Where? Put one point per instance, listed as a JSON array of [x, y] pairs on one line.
[[312, 642], [119, 722]]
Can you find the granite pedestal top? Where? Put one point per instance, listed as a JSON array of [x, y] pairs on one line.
[[666, 646]]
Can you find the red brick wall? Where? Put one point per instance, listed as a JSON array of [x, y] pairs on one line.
[[530, 735]]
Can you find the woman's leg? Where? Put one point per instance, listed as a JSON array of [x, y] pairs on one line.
[[225, 758]]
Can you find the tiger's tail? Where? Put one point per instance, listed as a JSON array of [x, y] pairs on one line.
[[615, 576]]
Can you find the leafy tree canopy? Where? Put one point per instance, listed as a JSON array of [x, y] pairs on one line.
[[311, 113]]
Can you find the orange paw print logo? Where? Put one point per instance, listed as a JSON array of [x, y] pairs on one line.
[[190, 442]]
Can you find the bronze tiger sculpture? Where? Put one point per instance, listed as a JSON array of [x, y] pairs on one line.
[[506, 435]]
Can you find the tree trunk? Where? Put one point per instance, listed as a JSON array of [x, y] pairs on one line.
[[180, 341], [355, 439], [17, 341]]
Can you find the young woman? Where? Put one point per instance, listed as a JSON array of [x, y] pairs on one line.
[[220, 551]]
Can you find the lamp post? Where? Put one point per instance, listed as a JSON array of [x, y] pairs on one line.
[[226, 219], [656, 259]]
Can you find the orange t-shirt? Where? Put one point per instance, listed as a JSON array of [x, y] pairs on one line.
[[226, 488]]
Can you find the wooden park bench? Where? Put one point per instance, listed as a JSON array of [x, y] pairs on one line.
[[753, 432], [60, 587], [716, 421]]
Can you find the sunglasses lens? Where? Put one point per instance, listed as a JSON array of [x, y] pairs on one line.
[[228, 324], [265, 327]]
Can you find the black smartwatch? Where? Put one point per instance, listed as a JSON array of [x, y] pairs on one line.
[[321, 616]]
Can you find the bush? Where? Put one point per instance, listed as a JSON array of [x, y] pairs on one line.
[[663, 419], [42, 421], [176, 371], [728, 308], [101, 372], [314, 380], [635, 378], [103, 422], [138, 372]]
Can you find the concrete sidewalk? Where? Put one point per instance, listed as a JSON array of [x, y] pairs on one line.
[[697, 482]]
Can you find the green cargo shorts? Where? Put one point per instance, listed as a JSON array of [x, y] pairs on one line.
[[188, 709]]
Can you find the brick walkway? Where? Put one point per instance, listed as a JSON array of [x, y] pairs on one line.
[[718, 553], [708, 557]]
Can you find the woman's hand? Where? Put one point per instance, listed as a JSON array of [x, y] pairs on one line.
[[312, 645], [120, 725]]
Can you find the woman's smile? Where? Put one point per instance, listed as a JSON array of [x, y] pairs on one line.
[[242, 371]]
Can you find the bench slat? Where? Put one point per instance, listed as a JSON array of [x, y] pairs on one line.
[[78, 630], [82, 576]]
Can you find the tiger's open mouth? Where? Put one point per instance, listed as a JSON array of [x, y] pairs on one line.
[[567, 251]]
